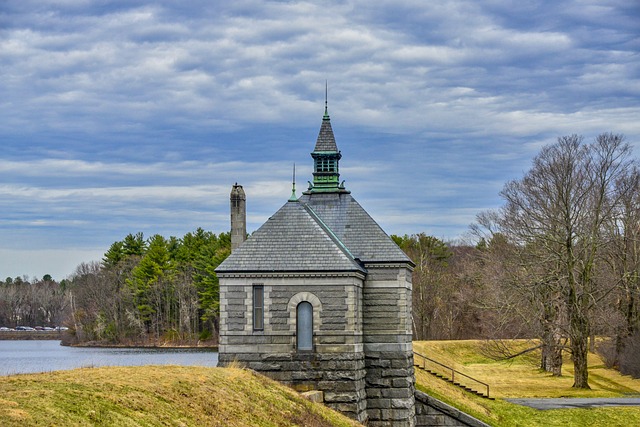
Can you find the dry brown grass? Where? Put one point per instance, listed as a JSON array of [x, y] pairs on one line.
[[157, 395], [520, 377]]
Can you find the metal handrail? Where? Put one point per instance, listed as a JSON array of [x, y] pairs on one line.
[[453, 371]]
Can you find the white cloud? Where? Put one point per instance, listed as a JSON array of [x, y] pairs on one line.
[[125, 116]]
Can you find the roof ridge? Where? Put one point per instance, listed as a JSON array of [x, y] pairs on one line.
[[364, 238], [292, 239], [329, 231]]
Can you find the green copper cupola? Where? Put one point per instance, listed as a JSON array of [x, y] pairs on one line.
[[326, 158]]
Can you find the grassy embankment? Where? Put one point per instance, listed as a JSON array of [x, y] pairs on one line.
[[520, 377], [194, 396], [157, 395]]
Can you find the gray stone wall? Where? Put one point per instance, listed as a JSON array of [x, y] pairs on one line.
[[337, 302], [432, 412], [336, 366], [362, 357], [340, 376], [388, 346]]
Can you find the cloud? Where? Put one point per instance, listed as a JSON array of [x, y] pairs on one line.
[[128, 116]]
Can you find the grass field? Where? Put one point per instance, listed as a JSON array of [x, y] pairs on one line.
[[520, 377], [157, 396], [195, 396]]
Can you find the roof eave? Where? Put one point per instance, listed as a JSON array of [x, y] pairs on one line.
[[279, 273]]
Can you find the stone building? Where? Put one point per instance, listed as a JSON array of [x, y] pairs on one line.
[[319, 297]]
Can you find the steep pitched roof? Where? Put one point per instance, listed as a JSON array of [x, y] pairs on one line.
[[294, 239], [354, 227], [324, 230], [326, 140]]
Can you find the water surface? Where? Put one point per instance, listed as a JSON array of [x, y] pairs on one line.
[[21, 357]]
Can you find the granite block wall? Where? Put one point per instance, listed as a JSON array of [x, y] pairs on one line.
[[362, 356], [336, 365], [431, 412], [388, 347]]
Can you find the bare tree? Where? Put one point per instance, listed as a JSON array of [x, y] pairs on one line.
[[430, 290], [557, 213], [623, 256], [520, 299]]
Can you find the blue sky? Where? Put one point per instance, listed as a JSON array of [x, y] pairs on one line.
[[126, 116]]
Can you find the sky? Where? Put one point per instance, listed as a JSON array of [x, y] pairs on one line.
[[129, 116]]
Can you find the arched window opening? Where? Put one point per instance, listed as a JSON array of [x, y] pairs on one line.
[[304, 326]]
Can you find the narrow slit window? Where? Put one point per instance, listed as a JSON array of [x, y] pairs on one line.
[[258, 307], [304, 326]]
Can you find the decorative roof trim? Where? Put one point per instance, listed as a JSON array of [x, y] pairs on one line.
[[329, 231], [285, 274], [389, 264]]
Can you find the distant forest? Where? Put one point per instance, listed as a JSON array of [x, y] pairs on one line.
[[143, 292], [558, 264]]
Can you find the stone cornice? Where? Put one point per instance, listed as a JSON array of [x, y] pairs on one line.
[[290, 274]]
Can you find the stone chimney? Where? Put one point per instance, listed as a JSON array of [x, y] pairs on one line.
[[238, 216]]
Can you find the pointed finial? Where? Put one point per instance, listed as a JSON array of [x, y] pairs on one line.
[[326, 97], [293, 197]]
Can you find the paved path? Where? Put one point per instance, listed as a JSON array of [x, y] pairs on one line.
[[567, 403]]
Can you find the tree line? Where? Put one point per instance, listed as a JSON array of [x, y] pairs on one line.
[[143, 291], [150, 290], [33, 302]]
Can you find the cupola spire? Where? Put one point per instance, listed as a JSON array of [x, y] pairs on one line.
[[326, 158]]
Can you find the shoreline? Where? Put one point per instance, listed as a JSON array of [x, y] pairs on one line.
[[94, 344], [30, 335], [60, 336]]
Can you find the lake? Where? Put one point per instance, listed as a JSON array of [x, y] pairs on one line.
[[21, 357]]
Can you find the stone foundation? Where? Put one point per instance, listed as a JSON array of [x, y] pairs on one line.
[[340, 376], [431, 412], [390, 389], [388, 347]]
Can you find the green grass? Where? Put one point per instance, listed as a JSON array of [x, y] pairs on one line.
[[520, 377], [157, 396]]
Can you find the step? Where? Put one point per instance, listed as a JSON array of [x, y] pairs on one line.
[[457, 384]]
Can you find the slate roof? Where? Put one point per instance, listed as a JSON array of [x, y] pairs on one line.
[[294, 239], [326, 141], [319, 232], [355, 228]]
